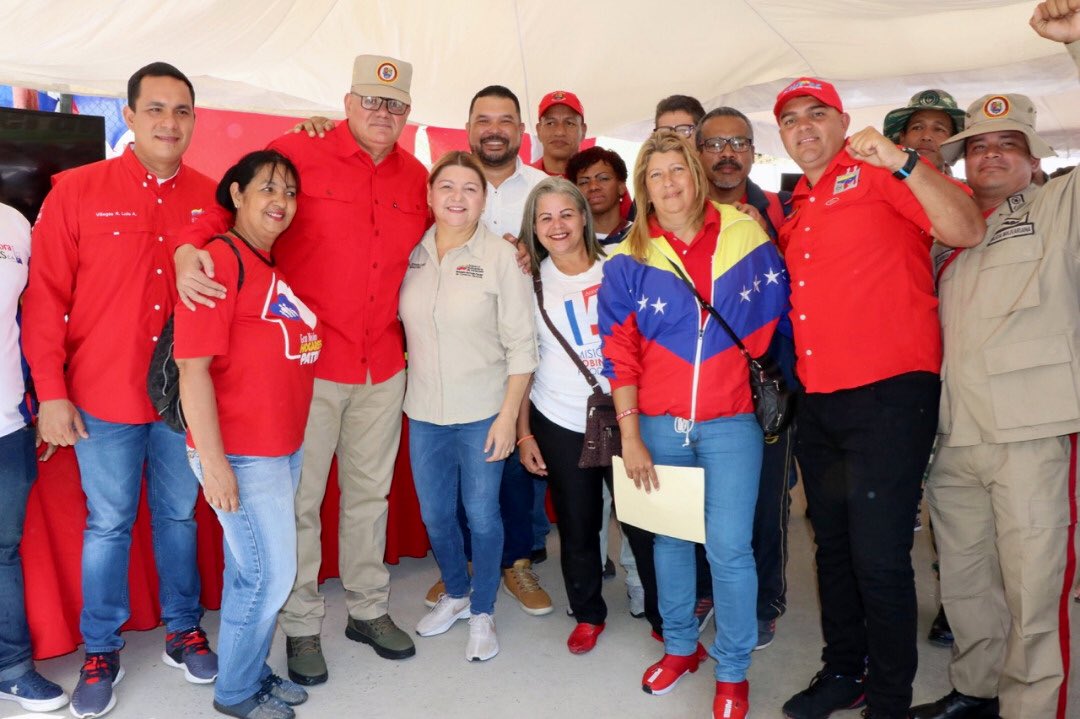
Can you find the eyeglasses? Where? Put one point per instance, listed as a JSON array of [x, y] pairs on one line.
[[394, 107], [684, 130], [715, 145]]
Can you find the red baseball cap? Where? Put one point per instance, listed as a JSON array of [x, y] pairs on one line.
[[808, 87], [561, 97]]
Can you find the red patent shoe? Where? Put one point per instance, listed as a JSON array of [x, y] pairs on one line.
[[583, 638]]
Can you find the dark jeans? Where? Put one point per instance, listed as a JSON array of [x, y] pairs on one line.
[[770, 530], [862, 453], [579, 503], [515, 508], [771, 525], [18, 469]]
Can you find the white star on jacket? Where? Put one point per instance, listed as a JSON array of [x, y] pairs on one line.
[[772, 277], [658, 306], [642, 303], [745, 294]]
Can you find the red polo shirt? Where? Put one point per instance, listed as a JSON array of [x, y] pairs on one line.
[[857, 248], [101, 257], [348, 247]]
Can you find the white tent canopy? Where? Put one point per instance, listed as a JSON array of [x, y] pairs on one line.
[[294, 57]]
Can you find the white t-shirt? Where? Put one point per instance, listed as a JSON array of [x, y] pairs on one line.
[[14, 257], [559, 390]]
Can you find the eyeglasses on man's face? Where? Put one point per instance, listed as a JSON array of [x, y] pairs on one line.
[[394, 107], [715, 145], [684, 130]]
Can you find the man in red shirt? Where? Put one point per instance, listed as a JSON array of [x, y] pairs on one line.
[[363, 206], [868, 345], [560, 130], [89, 342]]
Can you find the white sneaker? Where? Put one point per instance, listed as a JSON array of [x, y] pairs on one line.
[[443, 615], [483, 644]]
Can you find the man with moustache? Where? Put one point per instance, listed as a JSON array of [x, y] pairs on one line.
[[363, 207], [1002, 490], [725, 142], [89, 347], [869, 350]]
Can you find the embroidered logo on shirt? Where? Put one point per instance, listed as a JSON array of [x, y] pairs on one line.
[[1013, 227], [416, 265], [195, 212], [469, 271], [847, 181]]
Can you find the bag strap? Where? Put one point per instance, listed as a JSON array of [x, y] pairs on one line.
[[711, 310], [239, 261], [538, 287]]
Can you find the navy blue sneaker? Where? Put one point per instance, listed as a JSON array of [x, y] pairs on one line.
[[93, 695], [189, 650], [260, 706], [285, 691], [33, 692]]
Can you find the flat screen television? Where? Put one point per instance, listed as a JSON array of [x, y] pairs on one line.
[[34, 146]]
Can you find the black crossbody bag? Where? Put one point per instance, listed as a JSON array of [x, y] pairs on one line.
[[773, 401], [602, 438]]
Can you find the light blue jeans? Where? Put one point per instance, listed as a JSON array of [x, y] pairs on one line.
[[260, 566], [729, 449], [448, 459], [111, 467]]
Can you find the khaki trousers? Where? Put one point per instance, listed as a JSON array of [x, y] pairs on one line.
[[361, 424], [1005, 516]]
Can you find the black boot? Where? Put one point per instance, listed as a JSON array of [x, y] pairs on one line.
[[955, 705], [940, 632]]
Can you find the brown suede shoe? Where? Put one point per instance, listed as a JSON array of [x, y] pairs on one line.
[[521, 582]]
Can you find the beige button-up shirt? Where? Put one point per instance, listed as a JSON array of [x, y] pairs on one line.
[[468, 326]]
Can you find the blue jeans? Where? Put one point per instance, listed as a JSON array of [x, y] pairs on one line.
[[729, 448], [446, 460], [260, 567], [18, 468], [111, 466]]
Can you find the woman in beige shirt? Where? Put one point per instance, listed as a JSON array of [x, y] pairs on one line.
[[469, 329]]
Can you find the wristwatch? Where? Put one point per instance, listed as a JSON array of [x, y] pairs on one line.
[[905, 172]]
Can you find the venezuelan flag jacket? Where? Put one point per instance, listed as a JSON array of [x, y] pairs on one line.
[[656, 337]]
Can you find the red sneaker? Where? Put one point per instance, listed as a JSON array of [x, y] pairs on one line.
[[583, 638], [661, 678], [732, 700]]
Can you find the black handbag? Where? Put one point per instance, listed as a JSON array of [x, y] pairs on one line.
[[773, 401], [602, 438], [163, 377]]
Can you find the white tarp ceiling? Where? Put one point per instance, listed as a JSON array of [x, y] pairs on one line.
[[294, 57]]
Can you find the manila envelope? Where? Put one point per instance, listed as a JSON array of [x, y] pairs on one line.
[[677, 509]]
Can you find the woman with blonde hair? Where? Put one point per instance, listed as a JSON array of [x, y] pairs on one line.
[[682, 394]]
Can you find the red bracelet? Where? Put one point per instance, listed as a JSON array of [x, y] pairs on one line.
[[528, 436], [627, 413]]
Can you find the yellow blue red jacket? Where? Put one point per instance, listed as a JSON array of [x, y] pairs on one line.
[[656, 338]]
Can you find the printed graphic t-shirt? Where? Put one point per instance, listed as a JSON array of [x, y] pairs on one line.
[[264, 342], [559, 390]]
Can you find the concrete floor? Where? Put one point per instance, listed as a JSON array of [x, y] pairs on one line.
[[533, 675]]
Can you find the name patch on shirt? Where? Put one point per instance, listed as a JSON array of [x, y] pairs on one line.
[[1013, 227], [847, 181], [416, 265], [469, 271]]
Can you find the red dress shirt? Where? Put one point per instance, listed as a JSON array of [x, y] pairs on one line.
[[101, 257], [347, 249], [857, 248]]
